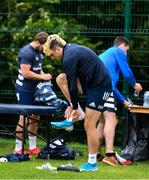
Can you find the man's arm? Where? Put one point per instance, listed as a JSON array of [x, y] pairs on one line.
[[121, 98], [124, 67], [28, 74], [126, 71], [70, 68], [118, 95]]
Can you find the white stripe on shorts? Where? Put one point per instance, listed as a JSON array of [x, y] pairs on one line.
[[109, 105], [110, 99]]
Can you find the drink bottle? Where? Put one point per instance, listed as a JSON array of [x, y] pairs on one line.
[[146, 99], [136, 93]]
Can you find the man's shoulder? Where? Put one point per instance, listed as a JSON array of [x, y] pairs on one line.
[[26, 51]]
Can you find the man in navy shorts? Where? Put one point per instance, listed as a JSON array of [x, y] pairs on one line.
[[29, 75], [80, 62], [116, 62]]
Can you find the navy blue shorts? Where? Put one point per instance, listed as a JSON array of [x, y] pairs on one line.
[[23, 97], [101, 100]]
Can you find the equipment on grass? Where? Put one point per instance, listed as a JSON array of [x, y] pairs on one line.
[[56, 148], [66, 167]]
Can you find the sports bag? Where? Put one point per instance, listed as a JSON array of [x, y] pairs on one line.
[[56, 149]]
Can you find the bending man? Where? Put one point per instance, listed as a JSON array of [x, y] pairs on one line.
[[81, 62]]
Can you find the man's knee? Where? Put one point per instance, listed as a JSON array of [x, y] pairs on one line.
[[61, 79]]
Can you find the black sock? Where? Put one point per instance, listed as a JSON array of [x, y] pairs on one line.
[[98, 155], [110, 154]]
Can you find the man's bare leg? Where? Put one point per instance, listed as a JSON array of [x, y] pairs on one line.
[[63, 85], [33, 127], [61, 81], [109, 130], [19, 132], [100, 129], [90, 123], [100, 136], [109, 134]]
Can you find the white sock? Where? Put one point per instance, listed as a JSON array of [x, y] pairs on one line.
[[32, 142], [82, 114], [18, 146], [92, 158]]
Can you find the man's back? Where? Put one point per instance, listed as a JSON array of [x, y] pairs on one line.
[[80, 61]]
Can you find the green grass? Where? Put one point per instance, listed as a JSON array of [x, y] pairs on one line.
[[27, 170]]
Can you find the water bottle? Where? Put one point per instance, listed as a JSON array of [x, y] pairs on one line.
[[146, 99], [136, 93]]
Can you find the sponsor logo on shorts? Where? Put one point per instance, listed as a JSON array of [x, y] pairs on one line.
[[92, 104], [106, 95], [100, 107]]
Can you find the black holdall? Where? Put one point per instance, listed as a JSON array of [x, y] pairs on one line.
[[56, 149]]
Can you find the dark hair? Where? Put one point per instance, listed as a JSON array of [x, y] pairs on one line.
[[120, 40], [54, 44], [41, 37]]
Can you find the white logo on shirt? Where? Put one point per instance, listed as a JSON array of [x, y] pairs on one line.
[[37, 58]]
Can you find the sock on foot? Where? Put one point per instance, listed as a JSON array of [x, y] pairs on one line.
[[110, 154], [92, 158], [18, 145], [32, 142]]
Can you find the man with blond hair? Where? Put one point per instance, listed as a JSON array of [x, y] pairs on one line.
[[82, 68]]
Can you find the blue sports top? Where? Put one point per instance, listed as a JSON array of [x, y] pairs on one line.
[[28, 55], [81, 62], [115, 60]]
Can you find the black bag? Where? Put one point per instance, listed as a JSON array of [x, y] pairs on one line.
[[137, 142], [16, 157], [57, 149]]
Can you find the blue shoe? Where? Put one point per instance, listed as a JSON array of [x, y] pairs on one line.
[[89, 167], [67, 125]]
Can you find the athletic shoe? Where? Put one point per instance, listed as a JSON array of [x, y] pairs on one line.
[[19, 152], [111, 160], [34, 151], [89, 167], [67, 125]]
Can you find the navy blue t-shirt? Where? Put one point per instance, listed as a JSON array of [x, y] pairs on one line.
[[83, 63], [28, 55]]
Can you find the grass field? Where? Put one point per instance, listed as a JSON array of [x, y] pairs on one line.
[[27, 169]]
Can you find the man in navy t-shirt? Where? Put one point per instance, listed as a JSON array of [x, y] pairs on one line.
[[29, 74], [81, 63]]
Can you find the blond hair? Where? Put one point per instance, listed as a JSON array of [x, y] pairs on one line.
[[52, 41]]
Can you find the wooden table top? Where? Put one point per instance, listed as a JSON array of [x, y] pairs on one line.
[[139, 109]]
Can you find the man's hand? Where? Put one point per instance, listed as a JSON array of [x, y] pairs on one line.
[[68, 112], [75, 114], [138, 87], [46, 77], [127, 104]]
